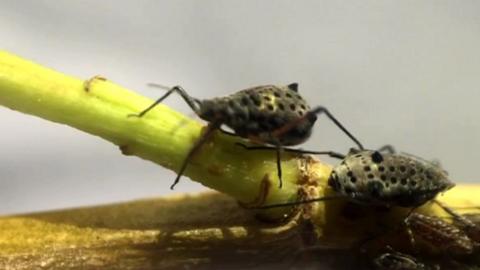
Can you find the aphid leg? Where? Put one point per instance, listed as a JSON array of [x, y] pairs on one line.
[[279, 164], [192, 102], [387, 148], [292, 150], [198, 144], [466, 223], [87, 85], [411, 237], [319, 110]]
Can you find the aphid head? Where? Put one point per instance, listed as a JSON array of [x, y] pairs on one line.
[[370, 177]]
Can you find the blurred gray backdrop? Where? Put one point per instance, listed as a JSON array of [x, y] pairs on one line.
[[399, 72]]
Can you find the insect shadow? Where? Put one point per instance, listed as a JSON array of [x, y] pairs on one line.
[[269, 115]]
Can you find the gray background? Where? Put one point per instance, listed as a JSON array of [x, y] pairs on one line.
[[400, 72]]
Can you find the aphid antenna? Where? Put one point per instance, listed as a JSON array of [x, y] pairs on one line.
[[192, 102], [287, 204], [293, 150], [327, 198]]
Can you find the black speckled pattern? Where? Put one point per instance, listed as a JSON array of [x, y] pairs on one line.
[[388, 179], [256, 112]]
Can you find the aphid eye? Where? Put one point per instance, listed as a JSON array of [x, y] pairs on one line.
[[377, 157]]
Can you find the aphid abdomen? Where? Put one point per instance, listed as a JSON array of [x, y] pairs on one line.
[[440, 234]]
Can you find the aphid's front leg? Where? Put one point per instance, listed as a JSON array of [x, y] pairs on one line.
[[87, 85], [198, 144], [192, 102]]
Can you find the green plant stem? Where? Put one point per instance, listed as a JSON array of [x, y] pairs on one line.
[[162, 136]]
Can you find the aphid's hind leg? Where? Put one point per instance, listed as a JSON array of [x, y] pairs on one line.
[[319, 110], [387, 148], [87, 85], [198, 144], [297, 151], [192, 102]]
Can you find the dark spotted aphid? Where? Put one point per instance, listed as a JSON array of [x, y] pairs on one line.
[[385, 179], [389, 179], [269, 114]]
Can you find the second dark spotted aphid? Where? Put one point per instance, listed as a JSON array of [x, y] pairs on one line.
[[381, 177], [269, 114]]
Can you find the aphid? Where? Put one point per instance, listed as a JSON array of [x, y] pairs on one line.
[[394, 260], [464, 222], [268, 114], [439, 234], [375, 178], [450, 240]]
